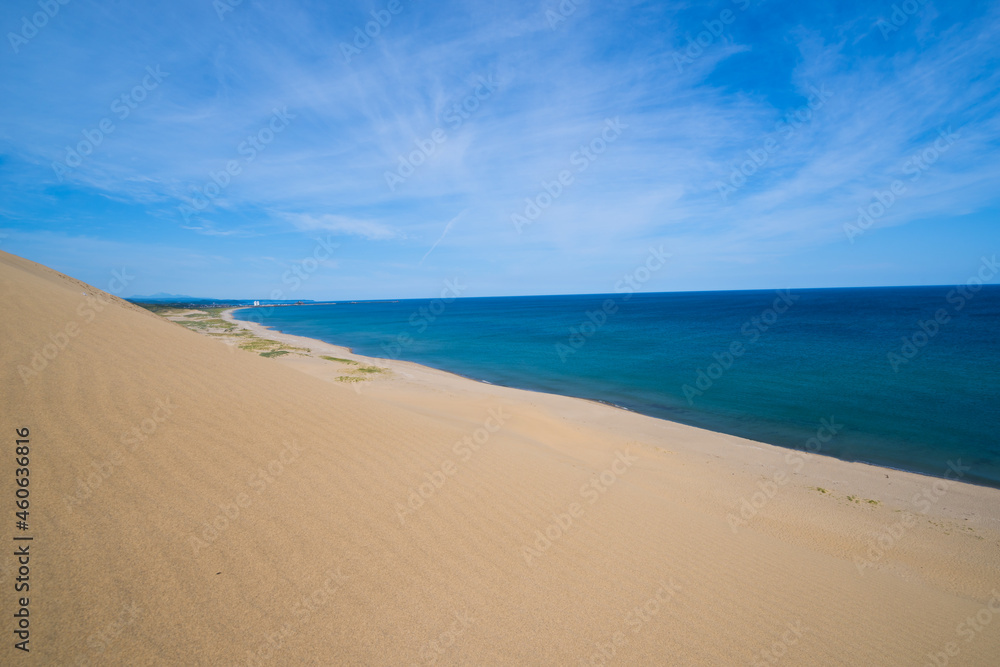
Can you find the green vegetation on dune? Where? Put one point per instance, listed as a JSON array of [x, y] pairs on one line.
[[259, 344], [359, 373], [268, 348], [213, 322], [207, 321], [343, 361]]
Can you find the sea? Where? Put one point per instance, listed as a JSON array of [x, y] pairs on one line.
[[900, 377]]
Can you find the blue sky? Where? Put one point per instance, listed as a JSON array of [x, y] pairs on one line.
[[648, 110]]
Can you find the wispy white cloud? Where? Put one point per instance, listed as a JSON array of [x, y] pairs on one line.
[[444, 232], [338, 224]]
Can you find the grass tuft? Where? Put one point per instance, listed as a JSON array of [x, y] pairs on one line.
[[343, 361]]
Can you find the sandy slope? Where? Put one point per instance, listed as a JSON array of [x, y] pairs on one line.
[[143, 433]]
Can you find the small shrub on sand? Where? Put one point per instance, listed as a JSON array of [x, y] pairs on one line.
[[343, 361], [258, 344]]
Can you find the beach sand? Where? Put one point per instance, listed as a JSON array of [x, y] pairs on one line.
[[194, 503]]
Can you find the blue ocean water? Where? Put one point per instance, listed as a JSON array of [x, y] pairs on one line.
[[908, 377]]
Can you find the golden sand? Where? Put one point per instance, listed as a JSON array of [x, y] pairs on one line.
[[193, 503]]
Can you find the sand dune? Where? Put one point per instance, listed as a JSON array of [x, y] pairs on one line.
[[196, 504]]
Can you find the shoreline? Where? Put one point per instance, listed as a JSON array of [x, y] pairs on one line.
[[295, 339], [766, 489]]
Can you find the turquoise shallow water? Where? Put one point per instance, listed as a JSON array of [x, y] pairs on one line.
[[911, 376]]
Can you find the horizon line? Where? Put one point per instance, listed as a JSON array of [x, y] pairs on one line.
[[317, 302]]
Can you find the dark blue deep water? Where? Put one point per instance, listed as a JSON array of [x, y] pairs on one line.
[[759, 364]]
